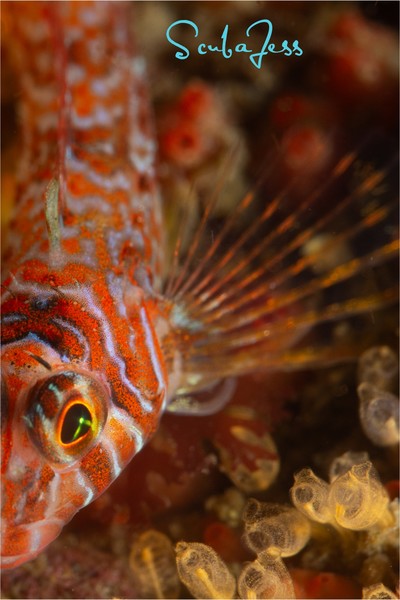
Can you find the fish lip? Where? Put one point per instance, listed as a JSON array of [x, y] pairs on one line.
[[39, 536], [7, 563]]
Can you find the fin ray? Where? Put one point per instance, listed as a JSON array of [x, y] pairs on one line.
[[251, 305]]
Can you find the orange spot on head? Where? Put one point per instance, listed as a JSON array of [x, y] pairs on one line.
[[79, 185], [72, 246], [97, 467], [122, 440]]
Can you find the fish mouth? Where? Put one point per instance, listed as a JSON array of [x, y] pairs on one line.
[[23, 543], [11, 562]]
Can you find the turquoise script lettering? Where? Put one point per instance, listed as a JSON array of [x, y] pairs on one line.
[[256, 57]]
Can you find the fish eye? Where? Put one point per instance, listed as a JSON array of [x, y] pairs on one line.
[[66, 414], [76, 423]]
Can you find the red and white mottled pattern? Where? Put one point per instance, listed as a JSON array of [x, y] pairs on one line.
[[75, 303]]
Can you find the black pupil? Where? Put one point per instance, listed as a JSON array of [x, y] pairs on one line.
[[77, 423]]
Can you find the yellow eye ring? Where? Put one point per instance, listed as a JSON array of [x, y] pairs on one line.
[[75, 423]]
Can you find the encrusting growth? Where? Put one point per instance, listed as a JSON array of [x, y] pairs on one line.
[[378, 592]]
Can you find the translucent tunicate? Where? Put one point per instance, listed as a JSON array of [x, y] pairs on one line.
[[152, 562], [379, 366], [203, 572], [357, 499], [274, 528], [341, 464], [378, 592], [379, 415], [262, 465], [228, 506], [326, 252], [310, 496], [266, 577]]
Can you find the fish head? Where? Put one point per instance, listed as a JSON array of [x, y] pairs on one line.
[[82, 394], [53, 420]]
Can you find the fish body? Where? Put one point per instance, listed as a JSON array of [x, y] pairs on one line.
[[95, 345], [79, 310]]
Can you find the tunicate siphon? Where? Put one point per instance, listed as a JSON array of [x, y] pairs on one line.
[[274, 528], [310, 496], [357, 499], [379, 366], [379, 415], [152, 561], [203, 572], [265, 577], [341, 464]]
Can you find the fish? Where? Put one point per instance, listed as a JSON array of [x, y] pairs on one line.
[[102, 330]]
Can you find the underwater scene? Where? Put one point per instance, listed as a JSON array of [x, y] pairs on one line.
[[200, 371]]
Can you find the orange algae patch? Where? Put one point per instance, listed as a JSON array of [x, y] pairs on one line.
[[225, 541], [196, 99], [393, 488], [315, 584], [184, 144]]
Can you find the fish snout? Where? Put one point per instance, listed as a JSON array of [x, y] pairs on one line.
[[24, 500], [24, 542]]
